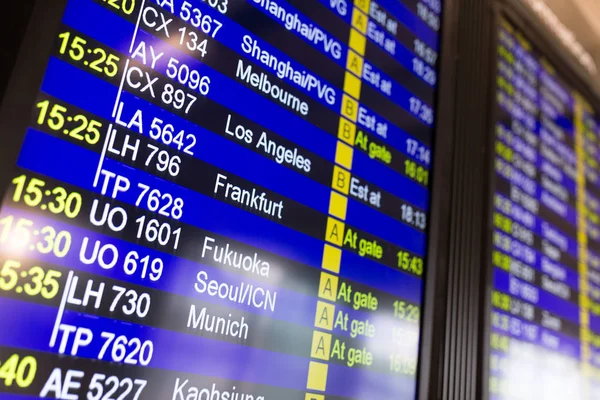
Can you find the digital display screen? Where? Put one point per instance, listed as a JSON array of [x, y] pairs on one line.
[[222, 200], [545, 334]]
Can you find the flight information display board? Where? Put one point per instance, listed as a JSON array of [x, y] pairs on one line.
[[545, 334], [222, 199]]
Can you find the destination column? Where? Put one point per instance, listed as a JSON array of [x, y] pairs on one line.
[[338, 204]]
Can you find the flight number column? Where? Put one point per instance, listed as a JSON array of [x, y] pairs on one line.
[[515, 145], [102, 179], [338, 204]]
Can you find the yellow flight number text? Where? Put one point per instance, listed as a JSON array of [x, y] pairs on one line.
[[410, 263], [58, 118], [36, 193], [416, 172], [406, 311], [20, 234], [36, 281], [77, 49], [17, 370]]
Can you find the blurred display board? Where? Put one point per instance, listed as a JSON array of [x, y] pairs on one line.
[[545, 334]]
